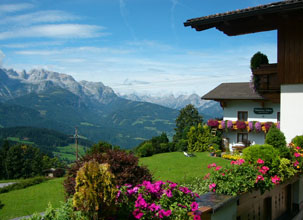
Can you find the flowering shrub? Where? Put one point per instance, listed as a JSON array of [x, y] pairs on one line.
[[159, 200], [297, 156], [239, 177], [267, 153]]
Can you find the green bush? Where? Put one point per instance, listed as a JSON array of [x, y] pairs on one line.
[[275, 138], [1, 205], [298, 141], [265, 152], [95, 190], [64, 212], [145, 150], [286, 169], [200, 138], [181, 145], [23, 184]]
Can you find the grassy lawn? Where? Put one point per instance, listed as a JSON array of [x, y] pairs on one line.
[[32, 199], [176, 167]]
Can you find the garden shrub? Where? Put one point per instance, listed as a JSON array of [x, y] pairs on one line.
[[298, 141], [95, 190], [145, 150], [200, 138], [276, 138], [1, 205], [64, 212], [181, 145], [286, 169], [125, 167], [23, 184], [156, 200], [265, 152]]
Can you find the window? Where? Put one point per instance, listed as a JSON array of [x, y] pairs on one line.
[[278, 116], [242, 137], [242, 116]]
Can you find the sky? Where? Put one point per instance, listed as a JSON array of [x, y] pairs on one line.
[[133, 46]]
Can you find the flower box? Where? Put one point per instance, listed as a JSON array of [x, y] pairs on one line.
[[249, 126]]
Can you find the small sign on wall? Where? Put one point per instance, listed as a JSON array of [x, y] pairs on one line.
[[263, 111]]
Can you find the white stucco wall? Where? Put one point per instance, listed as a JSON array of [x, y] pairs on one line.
[[291, 110], [230, 112]]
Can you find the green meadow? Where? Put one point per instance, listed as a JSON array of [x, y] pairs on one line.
[[176, 167], [33, 199]]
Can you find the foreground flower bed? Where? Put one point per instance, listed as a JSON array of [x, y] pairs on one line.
[[159, 200]]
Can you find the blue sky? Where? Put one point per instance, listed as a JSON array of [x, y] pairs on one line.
[[137, 46]]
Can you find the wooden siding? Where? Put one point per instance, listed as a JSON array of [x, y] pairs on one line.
[[290, 53]]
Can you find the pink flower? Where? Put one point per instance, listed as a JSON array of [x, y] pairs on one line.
[[194, 206], [264, 170], [168, 193], [211, 165], [184, 189], [259, 177], [212, 187], [223, 174], [259, 161], [275, 179], [296, 163], [298, 148], [206, 176], [218, 168], [153, 207], [297, 154], [197, 217], [137, 214], [162, 213], [173, 185], [237, 162], [140, 202]]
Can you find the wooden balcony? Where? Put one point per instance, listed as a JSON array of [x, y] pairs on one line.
[[268, 82]]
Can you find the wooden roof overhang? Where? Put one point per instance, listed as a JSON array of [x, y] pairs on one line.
[[250, 20]]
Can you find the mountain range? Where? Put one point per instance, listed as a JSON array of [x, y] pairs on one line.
[[46, 99], [209, 109]]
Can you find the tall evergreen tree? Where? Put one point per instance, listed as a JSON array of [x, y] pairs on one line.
[[188, 117]]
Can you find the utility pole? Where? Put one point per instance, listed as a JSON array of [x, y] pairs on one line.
[[76, 142]]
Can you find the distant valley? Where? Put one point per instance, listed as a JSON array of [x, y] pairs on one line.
[[209, 109], [46, 99]]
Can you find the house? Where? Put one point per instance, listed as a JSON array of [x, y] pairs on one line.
[[241, 103], [283, 81]]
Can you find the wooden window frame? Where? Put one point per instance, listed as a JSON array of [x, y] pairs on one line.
[[242, 133], [242, 112]]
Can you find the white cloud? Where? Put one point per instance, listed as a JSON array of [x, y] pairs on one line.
[[9, 8], [56, 31], [38, 17], [1, 57]]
